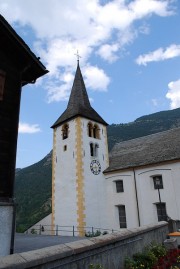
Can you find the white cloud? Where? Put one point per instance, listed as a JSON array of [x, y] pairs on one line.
[[107, 52], [60, 53], [143, 8], [174, 94], [63, 27], [59, 89], [91, 100], [25, 128], [159, 55], [154, 102], [58, 92], [96, 79]]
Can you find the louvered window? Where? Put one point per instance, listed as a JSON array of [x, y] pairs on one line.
[[122, 216], [119, 186], [158, 182], [161, 211]]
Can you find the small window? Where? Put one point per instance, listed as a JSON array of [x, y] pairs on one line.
[[2, 82], [161, 211], [65, 147], [65, 130], [119, 186], [122, 216], [96, 150], [91, 149], [158, 182]]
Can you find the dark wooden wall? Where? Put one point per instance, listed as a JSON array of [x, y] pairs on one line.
[[9, 119]]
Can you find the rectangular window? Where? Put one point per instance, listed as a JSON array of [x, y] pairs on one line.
[[122, 216], [161, 211], [119, 186], [2, 82], [158, 182], [65, 147]]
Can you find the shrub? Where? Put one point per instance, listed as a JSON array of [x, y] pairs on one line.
[[95, 266], [130, 264], [33, 231], [147, 258], [158, 250], [89, 234]]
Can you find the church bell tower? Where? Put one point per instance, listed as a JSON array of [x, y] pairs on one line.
[[80, 155]]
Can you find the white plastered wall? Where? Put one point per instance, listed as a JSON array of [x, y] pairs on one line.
[[66, 192], [127, 198], [95, 189], [146, 197], [37, 228], [65, 179]]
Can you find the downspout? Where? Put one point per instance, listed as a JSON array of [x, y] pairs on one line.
[[139, 223]]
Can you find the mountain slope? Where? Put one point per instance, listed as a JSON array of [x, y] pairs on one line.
[[33, 183], [145, 125], [32, 191]]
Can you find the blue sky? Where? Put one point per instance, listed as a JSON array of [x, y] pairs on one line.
[[130, 61]]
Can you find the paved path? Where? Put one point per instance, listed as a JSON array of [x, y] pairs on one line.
[[27, 242]]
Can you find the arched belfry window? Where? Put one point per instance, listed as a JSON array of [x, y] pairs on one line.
[[65, 131], [90, 129], [93, 130], [96, 131]]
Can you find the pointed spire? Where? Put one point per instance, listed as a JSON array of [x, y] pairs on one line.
[[78, 96], [79, 104]]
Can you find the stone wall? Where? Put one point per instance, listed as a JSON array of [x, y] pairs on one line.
[[108, 250], [6, 219]]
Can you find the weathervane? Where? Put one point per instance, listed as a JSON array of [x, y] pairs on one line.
[[78, 56]]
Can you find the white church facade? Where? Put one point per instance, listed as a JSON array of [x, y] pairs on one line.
[[137, 184], [143, 180]]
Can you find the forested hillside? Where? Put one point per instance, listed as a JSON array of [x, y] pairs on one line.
[[33, 193], [145, 125], [33, 183]]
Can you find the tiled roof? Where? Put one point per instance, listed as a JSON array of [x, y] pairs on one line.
[[151, 149], [79, 104]]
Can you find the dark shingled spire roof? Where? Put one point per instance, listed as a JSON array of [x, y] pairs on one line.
[[79, 104]]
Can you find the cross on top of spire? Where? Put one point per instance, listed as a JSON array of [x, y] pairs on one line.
[[78, 56]]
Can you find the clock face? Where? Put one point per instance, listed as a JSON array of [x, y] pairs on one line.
[[95, 167]]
